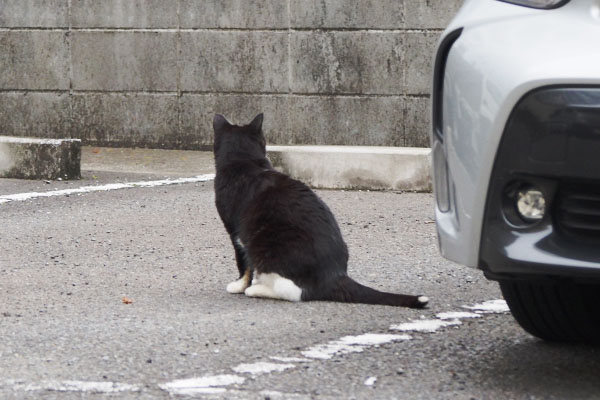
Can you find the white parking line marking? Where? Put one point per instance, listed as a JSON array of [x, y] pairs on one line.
[[202, 385], [351, 344], [261, 367], [290, 359], [104, 188], [452, 318], [490, 306], [344, 345], [77, 386], [218, 384], [424, 325], [457, 315]]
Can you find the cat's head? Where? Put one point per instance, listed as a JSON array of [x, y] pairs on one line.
[[239, 141]]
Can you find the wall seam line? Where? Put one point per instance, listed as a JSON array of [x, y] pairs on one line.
[[188, 30], [201, 92], [71, 118], [179, 72]]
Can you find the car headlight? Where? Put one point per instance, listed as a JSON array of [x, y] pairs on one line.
[[543, 4]]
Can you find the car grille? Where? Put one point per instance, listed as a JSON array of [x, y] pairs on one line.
[[578, 211]]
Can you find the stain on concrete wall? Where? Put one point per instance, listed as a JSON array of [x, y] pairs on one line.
[[24, 158], [151, 73]]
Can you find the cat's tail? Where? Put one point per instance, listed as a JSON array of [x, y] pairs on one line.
[[346, 290]]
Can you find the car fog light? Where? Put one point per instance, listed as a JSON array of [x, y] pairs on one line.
[[531, 204]]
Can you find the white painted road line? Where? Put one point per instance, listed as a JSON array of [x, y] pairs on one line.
[[452, 318], [76, 386], [344, 345], [424, 325], [261, 367], [203, 385], [290, 359], [351, 344], [457, 315], [490, 306], [104, 188], [218, 384]]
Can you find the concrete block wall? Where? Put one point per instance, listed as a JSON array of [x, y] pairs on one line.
[[151, 73]]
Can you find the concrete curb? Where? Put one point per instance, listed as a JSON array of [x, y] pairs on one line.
[[34, 158], [355, 167], [324, 167]]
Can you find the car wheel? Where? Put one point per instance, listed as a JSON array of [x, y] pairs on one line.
[[555, 311]]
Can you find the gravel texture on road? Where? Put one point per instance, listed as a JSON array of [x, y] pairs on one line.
[[67, 263]]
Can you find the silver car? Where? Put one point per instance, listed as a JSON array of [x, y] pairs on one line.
[[516, 156]]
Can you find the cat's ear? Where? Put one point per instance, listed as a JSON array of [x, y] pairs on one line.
[[256, 124], [220, 122]]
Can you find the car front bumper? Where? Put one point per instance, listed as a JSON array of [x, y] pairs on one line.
[[551, 143], [501, 53]]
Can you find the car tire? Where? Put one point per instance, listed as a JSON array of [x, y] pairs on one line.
[[555, 310]]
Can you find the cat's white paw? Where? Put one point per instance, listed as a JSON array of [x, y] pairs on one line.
[[238, 286], [274, 286], [258, 290], [423, 300]]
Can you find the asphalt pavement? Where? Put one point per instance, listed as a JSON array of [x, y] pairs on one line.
[[120, 293]]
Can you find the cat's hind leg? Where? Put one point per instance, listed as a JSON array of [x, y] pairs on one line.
[[241, 284], [242, 263], [274, 286]]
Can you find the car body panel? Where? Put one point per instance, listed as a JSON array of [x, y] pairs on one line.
[[500, 56]]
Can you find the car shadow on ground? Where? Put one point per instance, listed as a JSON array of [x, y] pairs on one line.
[[540, 369]]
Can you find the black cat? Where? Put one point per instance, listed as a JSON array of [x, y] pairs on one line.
[[280, 229]]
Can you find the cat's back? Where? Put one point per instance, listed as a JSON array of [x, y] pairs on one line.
[[287, 204], [237, 184], [289, 230]]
